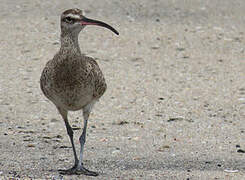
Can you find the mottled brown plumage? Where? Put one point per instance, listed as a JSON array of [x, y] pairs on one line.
[[73, 81]]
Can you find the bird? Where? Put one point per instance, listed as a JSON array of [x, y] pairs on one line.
[[73, 81]]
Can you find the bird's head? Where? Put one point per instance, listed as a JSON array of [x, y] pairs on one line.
[[73, 20]]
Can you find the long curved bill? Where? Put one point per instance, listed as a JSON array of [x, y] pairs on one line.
[[87, 21]]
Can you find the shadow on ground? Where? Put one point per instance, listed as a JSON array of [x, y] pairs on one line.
[[174, 164]]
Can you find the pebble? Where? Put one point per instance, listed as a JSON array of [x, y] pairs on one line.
[[30, 145], [241, 151], [175, 119], [59, 137], [135, 138], [115, 152], [136, 158], [47, 137], [155, 47], [180, 49], [27, 132], [123, 122], [28, 140], [54, 120], [231, 171], [103, 140], [162, 148]]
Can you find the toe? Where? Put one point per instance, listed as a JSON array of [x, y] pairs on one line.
[[78, 171], [87, 172], [67, 171]]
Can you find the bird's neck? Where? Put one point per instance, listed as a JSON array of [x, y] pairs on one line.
[[69, 43]]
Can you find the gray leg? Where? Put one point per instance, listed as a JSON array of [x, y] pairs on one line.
[[82, 139], [78, 168], [69, 132]]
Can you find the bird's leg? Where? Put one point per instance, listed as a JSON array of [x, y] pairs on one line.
[[81, 169], [82, 140], [70, 133]]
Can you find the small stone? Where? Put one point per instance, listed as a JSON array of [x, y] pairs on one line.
[[136, 158], [166, 146], [115, 152], [104, 140], [57, 140], [54, 120], [27, 132], [241, 151], [47, 137], [43, 158], [55, 43], [136, 138], [19, 127], [180, 49], [123, 122], [155, 47], [59, 137], [231, 171], [176, 119], [30, 145], [163, 148]]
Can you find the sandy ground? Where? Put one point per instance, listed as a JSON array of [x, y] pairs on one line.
[[175, 104]]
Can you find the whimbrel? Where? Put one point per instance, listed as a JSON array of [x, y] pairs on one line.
[[73, 81]]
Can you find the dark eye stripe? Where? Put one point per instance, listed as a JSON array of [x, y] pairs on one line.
[[69, 19]]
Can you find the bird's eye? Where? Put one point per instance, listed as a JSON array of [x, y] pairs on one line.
[[69, 19]]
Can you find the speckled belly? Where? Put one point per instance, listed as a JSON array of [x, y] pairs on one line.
[[73, 101]]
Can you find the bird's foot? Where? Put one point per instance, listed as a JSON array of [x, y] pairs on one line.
[[67, 171], [78, 170]]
